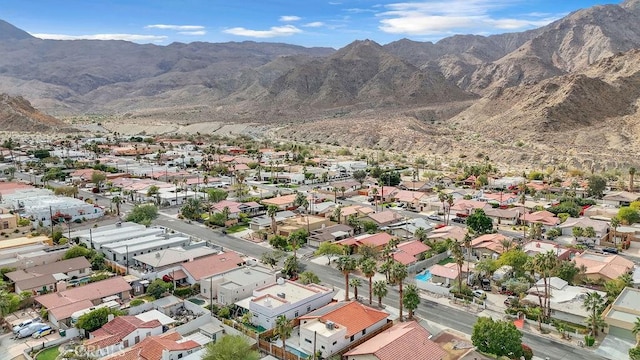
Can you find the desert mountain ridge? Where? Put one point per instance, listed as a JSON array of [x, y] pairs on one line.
[[17, 114], [562, 92]]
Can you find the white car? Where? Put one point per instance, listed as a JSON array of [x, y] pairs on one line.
[[479, 293], [434, 217]]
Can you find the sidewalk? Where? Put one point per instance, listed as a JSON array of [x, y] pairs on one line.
[[529, 327]]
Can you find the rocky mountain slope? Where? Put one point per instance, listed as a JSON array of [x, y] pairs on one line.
[[17, 114], [568, 88]]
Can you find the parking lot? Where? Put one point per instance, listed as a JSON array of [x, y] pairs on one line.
[[13, 348]]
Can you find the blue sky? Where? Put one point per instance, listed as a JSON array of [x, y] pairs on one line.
[[333, 23]]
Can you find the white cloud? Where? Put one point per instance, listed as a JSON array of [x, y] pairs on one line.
[[126, 37], [175, 27], [274, 31], [193, 33], [289, 18], [444, 17], [314, 24]]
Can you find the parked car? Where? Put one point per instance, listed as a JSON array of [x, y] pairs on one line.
[[505, 291], [459, 220], [510, 300], [434, 217], [30, 330], [43, 332], [486, 284], [610, 250], [479, 294], [23, 324]]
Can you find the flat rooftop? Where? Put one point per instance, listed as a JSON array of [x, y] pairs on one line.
[[248, 275], [628, 299], [158, 242], [293, 292]]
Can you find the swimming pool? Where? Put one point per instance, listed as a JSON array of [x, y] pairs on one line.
[[297, 352], [424, 276]]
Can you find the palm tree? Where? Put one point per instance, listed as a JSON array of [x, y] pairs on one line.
[[467, 244], [368, 268], [636, 328], [443, 199], [283, 329], [272, 210], [117, 200], [420, 234], [615, 222], [458, 257], [546, 262], [506, 244], [346, 264], [335, 194], [308, 277], [450, 203], [594, 303], [374, 192], [411, 299], [632, 172], [337, 214], [399, 273], [380, 290], [355, 283]]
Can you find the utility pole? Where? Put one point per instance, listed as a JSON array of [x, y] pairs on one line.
[[127, 264], [51, 219]]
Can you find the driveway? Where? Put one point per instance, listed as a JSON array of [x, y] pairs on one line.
[[614, 348]]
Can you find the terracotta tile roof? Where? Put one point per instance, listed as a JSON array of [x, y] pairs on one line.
[[280, 200], [385, 217], [448, 232], [212, 265], [409, 196], [379, 239], [117, 329], [610, 266], [404, 258], [151, 347], [544, 217], [492, 242], [401, 342], [355, 317], [444, 271], [414, 247]]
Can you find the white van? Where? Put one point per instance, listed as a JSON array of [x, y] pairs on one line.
[[22, 325]]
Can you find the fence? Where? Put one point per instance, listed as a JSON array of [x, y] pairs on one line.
[[135, 310], [427, 263]]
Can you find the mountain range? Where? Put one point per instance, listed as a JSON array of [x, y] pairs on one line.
[[571, 84]]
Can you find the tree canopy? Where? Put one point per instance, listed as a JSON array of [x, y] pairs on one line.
[[97, 318], [230, 347], [499, 337], [158, 287], [479, 222], [143, 214]]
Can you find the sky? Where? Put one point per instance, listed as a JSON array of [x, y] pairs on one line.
[[332, 23]]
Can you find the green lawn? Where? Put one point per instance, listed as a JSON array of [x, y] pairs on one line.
[[445, 261], [236, 228], [49, 354]]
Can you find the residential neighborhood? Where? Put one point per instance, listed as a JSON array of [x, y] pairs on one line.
[[300, 254]]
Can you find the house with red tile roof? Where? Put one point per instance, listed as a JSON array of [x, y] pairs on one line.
[[337, 325], [546, 218], [488, 245], [409, 252], [448, 232], [378, 240], [170, 345], [209, 266], [283, 202], [121, 332], [601, 267], [384, 218], [400, 342], [467, 207]]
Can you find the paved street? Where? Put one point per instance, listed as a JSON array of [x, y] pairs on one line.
[[443, 315]]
